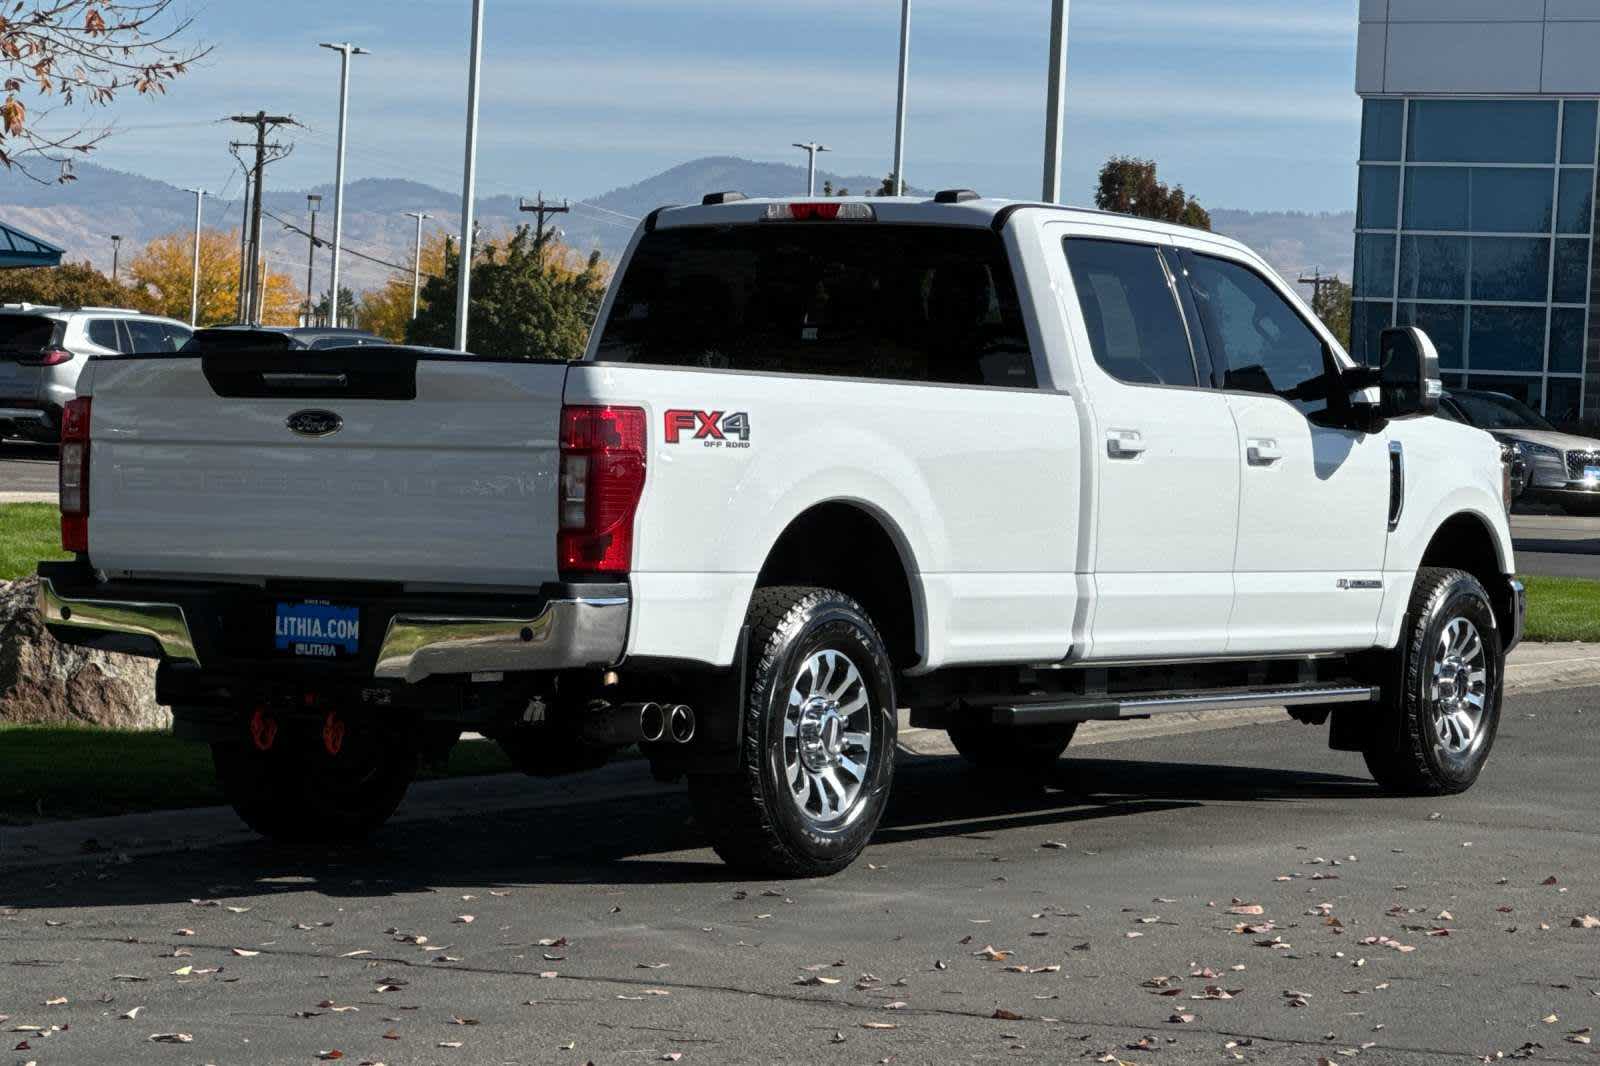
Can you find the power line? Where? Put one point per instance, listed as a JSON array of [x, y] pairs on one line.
[[349, 250], [265, 154]]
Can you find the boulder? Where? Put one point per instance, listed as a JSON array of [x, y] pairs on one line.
[[47, 683]]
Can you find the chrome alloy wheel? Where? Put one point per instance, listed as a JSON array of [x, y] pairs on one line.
[[1458, 689], [827, 739]]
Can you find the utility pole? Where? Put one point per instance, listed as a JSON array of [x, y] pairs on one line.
[[540, 208], [262, 123], [1055, 124], [416, 269], [469, 180], [244, 247], [811, 148], [116, 254], [313, 202], [900, 108], [1318, 282], [345, 51], [194, 285]]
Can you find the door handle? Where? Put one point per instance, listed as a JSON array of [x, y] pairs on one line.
[[1124, 444], [1263, 452]]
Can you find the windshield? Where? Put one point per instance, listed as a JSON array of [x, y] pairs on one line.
[[904, 303], [1490, 410]]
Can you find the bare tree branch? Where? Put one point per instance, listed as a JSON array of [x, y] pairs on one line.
[[81, 51]]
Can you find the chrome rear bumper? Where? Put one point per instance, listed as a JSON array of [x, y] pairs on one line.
[[572, 631], [163, 625], [568, 634]]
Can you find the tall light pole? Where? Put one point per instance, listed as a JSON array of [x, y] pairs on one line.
[[416, 269], [811, 148], [469, 180], [900, 108], [1055, 124], [313, 204], [345, 51], [194, 284], [116, 254]]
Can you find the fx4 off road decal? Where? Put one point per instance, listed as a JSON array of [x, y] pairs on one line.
[[714, 429]]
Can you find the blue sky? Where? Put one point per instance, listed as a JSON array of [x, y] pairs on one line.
[[1248, 103]]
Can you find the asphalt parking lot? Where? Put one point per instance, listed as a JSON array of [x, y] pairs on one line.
[[26, 470], [1238, 895]]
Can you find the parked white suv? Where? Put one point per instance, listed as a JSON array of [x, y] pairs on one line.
[[43, 351], [1011, 466]]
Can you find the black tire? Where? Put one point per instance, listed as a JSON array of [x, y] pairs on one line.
[[297, 793], [1032, 751], [756, 819], [1417, 746]]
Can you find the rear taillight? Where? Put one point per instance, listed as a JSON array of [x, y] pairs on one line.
[[602, 477], [47, 357], [74, 474]]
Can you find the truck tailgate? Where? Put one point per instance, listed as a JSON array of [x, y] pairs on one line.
[[199, 475]]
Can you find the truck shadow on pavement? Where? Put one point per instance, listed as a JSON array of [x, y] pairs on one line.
[[633, 841]]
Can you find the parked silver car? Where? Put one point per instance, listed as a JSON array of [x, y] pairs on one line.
[[1562, 469], [43, 350]]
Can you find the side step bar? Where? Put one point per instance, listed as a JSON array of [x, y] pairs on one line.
[[1104, 709]]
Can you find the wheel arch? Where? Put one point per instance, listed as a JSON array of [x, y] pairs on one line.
[[853, 547], [1467, 541]]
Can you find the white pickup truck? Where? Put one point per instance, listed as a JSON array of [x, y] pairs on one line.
[[1012, 466]]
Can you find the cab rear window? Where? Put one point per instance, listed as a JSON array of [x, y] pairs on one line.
[[897, 303]]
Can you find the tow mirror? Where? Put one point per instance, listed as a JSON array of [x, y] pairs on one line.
[[1408, 377]]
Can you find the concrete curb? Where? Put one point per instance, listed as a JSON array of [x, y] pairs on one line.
[[1533, 668]]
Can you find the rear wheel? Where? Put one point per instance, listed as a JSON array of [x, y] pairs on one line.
[[336, 785], [1444, 697], [1030, 750], [819, 740]]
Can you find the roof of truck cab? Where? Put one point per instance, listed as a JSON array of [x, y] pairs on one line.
[[984, 212]]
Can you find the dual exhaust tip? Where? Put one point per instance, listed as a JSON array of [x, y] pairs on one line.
[[661, 723]]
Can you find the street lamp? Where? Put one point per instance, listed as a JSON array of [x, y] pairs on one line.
[[313, 204], [900, 108], [1055, 126], [469, 179], [345, 51], [116, 254], [811, 148], [416, 270], [194, 284]]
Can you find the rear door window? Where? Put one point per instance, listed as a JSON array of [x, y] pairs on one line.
[[104, 332], [151, 338], [897, 303], [1131, 312], [27, 334]]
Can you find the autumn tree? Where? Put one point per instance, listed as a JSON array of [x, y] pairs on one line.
[[56, 54], [387, 311], [164, 270], [69, 285], [1331, 302], [524, 305], [1129, 186]]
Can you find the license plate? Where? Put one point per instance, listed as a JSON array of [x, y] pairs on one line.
[[1591, 473], [318, 630]]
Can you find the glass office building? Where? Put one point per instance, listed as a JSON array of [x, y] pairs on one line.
[[1476, 201]]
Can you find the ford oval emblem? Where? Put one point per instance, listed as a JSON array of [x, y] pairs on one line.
[[315, 423]]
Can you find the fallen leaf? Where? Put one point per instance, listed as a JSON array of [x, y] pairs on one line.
[[1247, 909], [172, 1038], [1181, 1019], [355, 954], [1587, 921], [814, 980], [465, 919], [245, 953], [131, 1014], [1003, 1015], [56, 1001], [992, 954], [879, 1025], [328, 1055], [182, 971], [448, 1043]]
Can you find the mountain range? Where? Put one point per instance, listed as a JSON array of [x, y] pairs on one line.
[[82, 215]]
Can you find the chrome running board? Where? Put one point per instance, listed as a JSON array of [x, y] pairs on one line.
[[1102, 709]]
